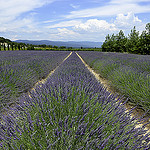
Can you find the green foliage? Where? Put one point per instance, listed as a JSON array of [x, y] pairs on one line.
[[133, 85], [3, 40], [115, 43], [134, 43], [8, 45], [31, 47]]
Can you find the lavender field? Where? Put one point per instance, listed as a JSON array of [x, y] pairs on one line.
[[128, 74], [71, 110], [20, 70]]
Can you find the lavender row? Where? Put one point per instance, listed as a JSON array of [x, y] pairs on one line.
[[129, 74], [72, 110], [20, 70]]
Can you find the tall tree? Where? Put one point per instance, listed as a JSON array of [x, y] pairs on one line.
[[120, 42], [144, 42], [8, 44], [147, 28], [4, 46], [2, 40], [132, 42], [19, 46], [12, 46], [106, 47], [15, 45]]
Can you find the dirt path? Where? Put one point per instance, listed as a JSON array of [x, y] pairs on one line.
[[106, 84], [44, 80], [12, 105]]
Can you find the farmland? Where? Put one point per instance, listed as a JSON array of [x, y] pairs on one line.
[[128, 74], [20, 70], [71, 109]]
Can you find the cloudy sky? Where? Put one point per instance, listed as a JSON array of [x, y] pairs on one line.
[[71, 20]]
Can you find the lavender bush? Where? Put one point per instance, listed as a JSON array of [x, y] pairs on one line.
[[20, 70], [71, 111], [128, 73]]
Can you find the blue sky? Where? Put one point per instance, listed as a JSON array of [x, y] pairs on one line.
[[71, 20]]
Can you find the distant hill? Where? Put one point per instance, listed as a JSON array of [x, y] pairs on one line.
[[74, 44]]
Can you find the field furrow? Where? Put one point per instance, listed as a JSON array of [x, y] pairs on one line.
[[71, 110], [127, 74], [20, 70]]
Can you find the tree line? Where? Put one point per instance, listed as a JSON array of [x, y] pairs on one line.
[[133, 43], [6, 44]]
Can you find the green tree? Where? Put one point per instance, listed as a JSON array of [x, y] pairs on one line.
[[8, 46], [144, 42], [15, 45], [147, 38], [50, 46], [2, 40], [18, 45], [106, 47], [70, 48], [24, 46], [43, 45], [62, 47], [4, 46], [56, 47], [147, 28], [132, 41], [120, 42], [115, 43], [30, 47], [12, 46]]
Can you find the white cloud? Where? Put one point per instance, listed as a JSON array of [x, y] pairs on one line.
[[127, 21], [127, 1], [19, 25], [74, 6], [15, 25], [65, 24], [112, 8], [66, 34], [94, 29], [11, 9], [98, 29], [80, 30], [11, 20], [95, 25]]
